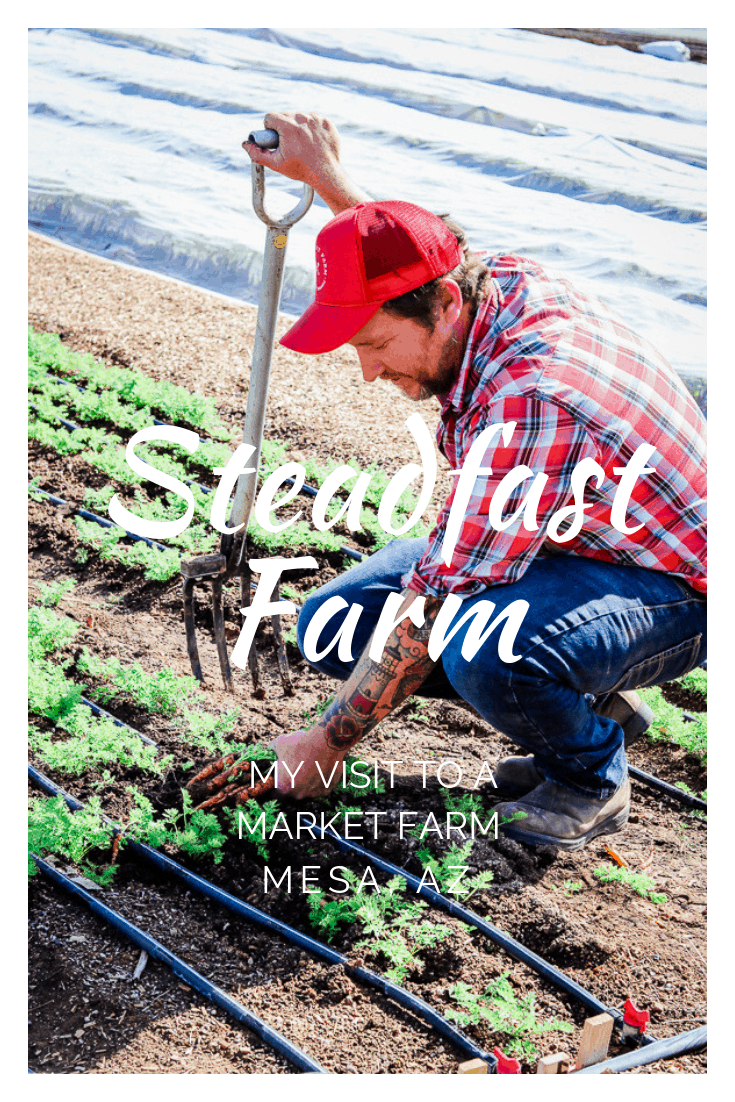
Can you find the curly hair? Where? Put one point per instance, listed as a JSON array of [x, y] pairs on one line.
[[420, 305]]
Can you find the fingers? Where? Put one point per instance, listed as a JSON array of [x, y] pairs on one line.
[[286, 747], [300, 776], [259, 156], [304, 138]]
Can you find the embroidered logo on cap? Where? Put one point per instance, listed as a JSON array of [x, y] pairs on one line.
[[321, 269]]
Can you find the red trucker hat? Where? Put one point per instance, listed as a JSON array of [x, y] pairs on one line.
[[365, 256]]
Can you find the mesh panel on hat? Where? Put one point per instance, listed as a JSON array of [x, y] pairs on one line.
[[385, 244]]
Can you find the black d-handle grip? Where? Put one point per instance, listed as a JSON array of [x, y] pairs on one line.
[[264, 139]]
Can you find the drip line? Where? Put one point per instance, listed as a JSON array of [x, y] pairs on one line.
[[667, 789], [253, 914], [102, 521], [691, 1041], [505, 941], [193, 978]]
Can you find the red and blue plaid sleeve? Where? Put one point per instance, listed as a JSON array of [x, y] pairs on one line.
[[549, 442]]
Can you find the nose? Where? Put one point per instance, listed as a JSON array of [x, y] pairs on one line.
[[370, 371]]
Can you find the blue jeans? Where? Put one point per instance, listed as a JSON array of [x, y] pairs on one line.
[[591, 628]]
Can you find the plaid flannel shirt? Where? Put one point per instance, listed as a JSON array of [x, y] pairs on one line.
[[578, 383]]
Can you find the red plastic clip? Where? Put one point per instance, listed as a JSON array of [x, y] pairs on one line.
[[506, 1064], [634, 1021]]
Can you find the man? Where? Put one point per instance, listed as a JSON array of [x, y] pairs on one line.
[[612, 605]]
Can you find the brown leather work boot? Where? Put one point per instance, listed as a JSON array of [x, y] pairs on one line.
[[627, 709], [519, 775], [556, 816]]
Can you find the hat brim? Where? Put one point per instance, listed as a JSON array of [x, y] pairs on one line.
[[324, 328]]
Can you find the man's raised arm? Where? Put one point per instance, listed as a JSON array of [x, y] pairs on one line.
[[308, 151], [371, 692]]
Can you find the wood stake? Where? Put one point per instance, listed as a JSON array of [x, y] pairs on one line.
[[472, 1067], [595, 1040], [554, 1065]]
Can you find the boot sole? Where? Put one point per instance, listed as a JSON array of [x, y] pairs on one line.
[[607, 826]]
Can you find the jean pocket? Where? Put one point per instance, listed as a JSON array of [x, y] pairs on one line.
[[664, 666]]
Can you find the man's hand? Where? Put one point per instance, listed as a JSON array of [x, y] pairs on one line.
[[298, 754], [308, 151]]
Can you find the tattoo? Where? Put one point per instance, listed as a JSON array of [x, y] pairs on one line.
[[373, 691]]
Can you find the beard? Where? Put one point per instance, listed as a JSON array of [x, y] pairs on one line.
[[434, 385], [445, 376]]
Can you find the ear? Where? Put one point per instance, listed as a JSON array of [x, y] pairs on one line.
[[451, 301]]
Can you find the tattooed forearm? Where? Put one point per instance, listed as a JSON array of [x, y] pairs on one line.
[[375, 689]]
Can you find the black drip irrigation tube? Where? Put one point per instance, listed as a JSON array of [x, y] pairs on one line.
[[296, 937], [193, 978], [667, 789], [96, 710], [505, 941], [102, 521], [692, 1041]]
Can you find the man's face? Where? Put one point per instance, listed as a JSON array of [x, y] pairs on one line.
[[421, 363]]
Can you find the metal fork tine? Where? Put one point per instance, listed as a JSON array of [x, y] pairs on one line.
[[245, 576], [191, 636], [218, 622], [281, 648]]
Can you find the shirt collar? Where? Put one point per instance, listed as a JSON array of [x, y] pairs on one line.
[[457, 396]]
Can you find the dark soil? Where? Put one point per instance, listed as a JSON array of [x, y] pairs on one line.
[[86, 1012]]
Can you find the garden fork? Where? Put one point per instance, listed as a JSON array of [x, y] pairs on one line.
[[231, 560]]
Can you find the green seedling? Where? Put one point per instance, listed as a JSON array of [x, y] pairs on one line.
[[309, 716], [93, 741], [418, 711], [255, 825], [54, 829], [52, 594], [291, 594], [209, 732], [158, 566], [638, 882], [34, 489], [174, 403], [103, 782], [386, 917], [163, 693], [695, 813], [50, 692], [695, 681], [504, 1013], [447, 872], [196, 833], [669, 724], [48, 632], [464, 803]]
